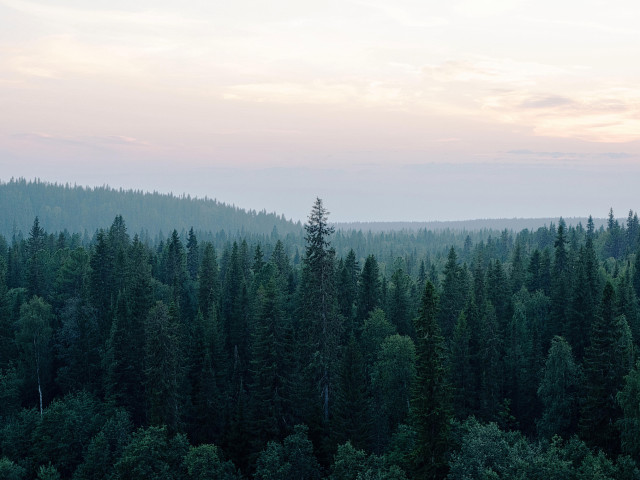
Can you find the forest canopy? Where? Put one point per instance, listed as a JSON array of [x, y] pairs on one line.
[[327, 354]]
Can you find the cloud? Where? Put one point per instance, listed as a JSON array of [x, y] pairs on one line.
[[412, 16], [548, 101], [92, 142], [91, 17]]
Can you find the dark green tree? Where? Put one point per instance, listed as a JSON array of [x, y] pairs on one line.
[[347, 290], [400, 306], [78, 347], [209, 288], [352, 417], [318, 304], [106, 448], [193, 255], [11, 471], [393, 377], [462, 380], [154, 455], [629, 400], [292, 459], [369, 289], [558, 391], [164, 368], [125, 367], [431, 399], [605, 365], [34, 339], [269, 366], [37, 258], [206, 462], [453, 296], [101, 289], [560, 284]]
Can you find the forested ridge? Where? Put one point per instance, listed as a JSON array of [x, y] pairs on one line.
[[338, 355], [83, 210]]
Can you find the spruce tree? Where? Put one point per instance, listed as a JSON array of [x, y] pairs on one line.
[[453, 294], [399, 302], [209, 288], [629, 400], [164, 367], [431, 399], [352, 417], [268, 369], [558, 391], [605, 364], [36, 260], [319, 302], [369, 289], [560, 282], [193, 255], [462, 368]]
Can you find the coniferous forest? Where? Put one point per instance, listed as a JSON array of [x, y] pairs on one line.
[[320, 355]]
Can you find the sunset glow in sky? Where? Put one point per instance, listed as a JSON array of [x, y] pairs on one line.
[[388, 110]]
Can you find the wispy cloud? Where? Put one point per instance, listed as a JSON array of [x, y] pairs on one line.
[[91, 142], [85, 16]]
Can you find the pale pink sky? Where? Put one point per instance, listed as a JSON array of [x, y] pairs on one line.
[[403, 110]]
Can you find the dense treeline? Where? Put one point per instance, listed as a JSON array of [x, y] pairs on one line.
[[84, 210], [507, 357]]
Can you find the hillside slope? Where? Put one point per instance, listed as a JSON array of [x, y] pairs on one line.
[[85, 209]]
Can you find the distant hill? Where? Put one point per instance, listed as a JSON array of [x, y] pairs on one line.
[[499, 224], [84, 209]]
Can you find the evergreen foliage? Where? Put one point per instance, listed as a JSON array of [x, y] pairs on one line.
[[220, 355]]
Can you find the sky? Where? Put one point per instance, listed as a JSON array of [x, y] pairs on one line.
[[387, 110]]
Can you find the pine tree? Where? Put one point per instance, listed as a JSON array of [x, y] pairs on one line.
[[430, 404]]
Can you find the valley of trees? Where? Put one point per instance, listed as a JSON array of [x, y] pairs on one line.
[[324, 355]]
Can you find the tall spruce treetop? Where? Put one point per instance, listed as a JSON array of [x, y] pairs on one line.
[[319, 299], [318, 232]]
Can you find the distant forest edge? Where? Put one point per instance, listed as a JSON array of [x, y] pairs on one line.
[[496, 224], [79, 209], [82, 210]]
